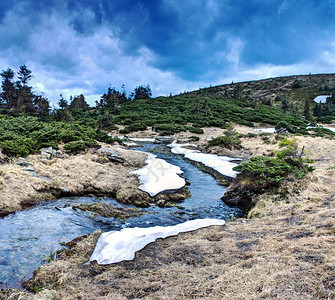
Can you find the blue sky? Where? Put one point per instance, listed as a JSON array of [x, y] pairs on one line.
[[84, 46]]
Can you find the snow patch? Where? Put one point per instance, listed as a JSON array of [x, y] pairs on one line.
[[321, 98], [222, 164], [144, 140], [116, 246], [266, 130], [158, 175]]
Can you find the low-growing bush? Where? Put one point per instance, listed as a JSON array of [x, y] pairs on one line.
[[133, 127], [268, 171], [195, 130], [229, 139], [75, 147], [18, 147], [168, 128], [194, 138]]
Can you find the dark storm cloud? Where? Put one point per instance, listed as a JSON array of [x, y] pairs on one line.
[[171, 44], [186, 36]]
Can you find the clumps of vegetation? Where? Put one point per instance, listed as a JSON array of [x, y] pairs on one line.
[[267, 171], [106, 210], [196, 130], [262, 173], [24, 135], [133, 127], [230, 139], [51, 257]]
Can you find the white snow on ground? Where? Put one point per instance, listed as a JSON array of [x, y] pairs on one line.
[[158, 175], [330, 128], [321, 98], [149, 140], [266, 130], [116, 246], [222, 164], [130, 144]]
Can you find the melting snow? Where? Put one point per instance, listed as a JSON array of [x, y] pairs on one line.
[[116, 246], [266, 130], [158, 175], [321, 98], [149, 140], [222, 164]]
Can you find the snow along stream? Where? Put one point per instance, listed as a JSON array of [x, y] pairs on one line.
[[27, 237]]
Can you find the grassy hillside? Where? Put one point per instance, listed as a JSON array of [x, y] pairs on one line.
[[276, 101], [295, 88], [245, 103]]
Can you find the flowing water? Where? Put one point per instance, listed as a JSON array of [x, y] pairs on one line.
[[28, 237]]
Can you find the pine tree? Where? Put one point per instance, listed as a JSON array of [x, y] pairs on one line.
[[307, 110], [8, 93]]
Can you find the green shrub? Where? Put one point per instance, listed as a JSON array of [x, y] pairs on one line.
[[75, 147], [168, 128], [92, 143], [67, 136], [272, 171], [229, 139], [283, 124], [194, 138], [196, 130], [133, 127], [18, 147]]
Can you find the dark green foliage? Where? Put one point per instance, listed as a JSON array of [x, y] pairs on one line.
[[78, 103], [168, 129], [133, 127], [194, 138], [324, 132], [296, 84], [289, 127], [24, 135], [142, 92], [272, 171], [106, 121], [112, 100], [229, 140], [17, 147], [75, 147], [195, 130]]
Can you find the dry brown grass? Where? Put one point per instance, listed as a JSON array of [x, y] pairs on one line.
[[286, 250], [80, 174]]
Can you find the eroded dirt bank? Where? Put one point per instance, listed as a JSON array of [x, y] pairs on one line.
[[286, 250]]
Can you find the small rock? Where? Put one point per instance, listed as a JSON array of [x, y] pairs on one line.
[[64, 190], [130, 144], [282, 131], [112, 155], [163, 140], [29, 169], [23, 162], [48, 152]]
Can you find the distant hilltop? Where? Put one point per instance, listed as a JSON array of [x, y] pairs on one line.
[[272, 90]]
